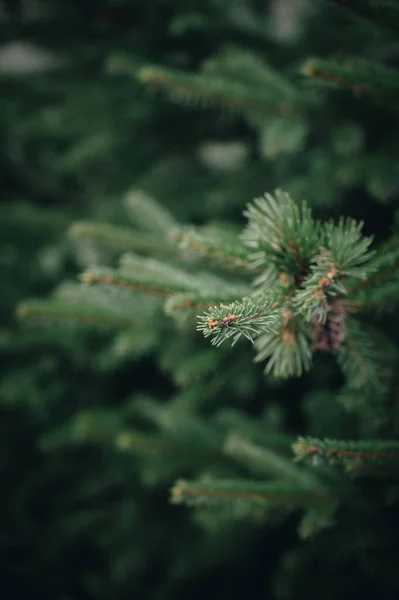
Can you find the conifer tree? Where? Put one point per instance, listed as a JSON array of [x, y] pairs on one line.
[[240, 237]]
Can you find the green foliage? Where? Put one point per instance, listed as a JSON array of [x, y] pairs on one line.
[[236, 90], [306, 263], [358, 75], [246, 318], [279, 231], [221, 492], [289, 350], [110, 395], [355, 457]]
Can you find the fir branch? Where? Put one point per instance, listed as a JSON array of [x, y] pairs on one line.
[[359, 76], [247, 318], [134, 343], [384, 297], [352, 455], [359, 361], [348, 248], [192, 369], [268, 462], [104, 426], [177, 423], [214, 492], [152, 276], [384, 264], [216, 244], [173, 278], [80, 305], [113, 278], [235, 63], [103, 298], [317, 519], [147, 214], [215, 90], [306, 263], [51, 312], [158, 445], [178, 303], [281, 234], [283, 135], [288, 351], [121, 238], [258, 430], [343, 255], [376, 278]]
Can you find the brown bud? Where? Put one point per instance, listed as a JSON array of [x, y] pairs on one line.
[[332, 273], [324, 282]]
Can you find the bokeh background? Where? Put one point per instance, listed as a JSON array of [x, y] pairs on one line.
[[79, 132]]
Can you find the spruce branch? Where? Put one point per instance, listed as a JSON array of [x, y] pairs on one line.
[[360, 362], [113, 278], [384, 265], [216, 243], [376, 278], [220, 493], [197, 367], [104, 298], [179, 303], [235, 63], [288, 351], [304, 268], [153, 276], [352, 456], [247, 318], [173, 277], [343, 254], [281, 234], [384, 297], [208, 89], [160, 445], [120, 238], [53, 312], [261, 431], [134, 343], [317, 519], [104, 427], [283, 135], [349, 248], [148, 214], [178, 423], [265, 461], [73, 303], [357, 75]]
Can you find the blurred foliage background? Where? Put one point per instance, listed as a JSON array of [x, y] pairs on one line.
[[79, 133]]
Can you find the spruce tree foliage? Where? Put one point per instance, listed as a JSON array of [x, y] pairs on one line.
[[211, 239]]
